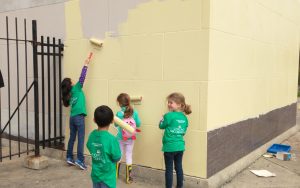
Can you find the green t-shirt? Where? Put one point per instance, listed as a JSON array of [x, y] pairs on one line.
[[105, 151], [77, 101], [175, 125]]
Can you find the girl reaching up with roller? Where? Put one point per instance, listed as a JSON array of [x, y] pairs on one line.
[[73, 96]]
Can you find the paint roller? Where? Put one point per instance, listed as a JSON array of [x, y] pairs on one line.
[[96, 42], [136, 98], [124, 125]]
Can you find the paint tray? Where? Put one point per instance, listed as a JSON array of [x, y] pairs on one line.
[[279, 148]]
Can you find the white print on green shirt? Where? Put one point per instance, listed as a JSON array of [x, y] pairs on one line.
[[180, 121], [177, 130], [73, 100], [98, 156]]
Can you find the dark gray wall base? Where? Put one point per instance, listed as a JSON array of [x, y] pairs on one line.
[[228, 144]]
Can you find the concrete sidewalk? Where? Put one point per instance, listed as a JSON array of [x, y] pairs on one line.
[[57, 175], [60, 175]]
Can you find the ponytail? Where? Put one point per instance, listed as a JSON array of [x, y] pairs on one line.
[[128, 111], [187, 109]]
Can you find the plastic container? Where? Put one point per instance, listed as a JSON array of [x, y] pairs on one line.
[[284, 156], [279, 148]]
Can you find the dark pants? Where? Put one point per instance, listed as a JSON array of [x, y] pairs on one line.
[[177, 158], [76, 125], [100, 185]]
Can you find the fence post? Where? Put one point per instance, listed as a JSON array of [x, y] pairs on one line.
[[36, 89], [1, 85]]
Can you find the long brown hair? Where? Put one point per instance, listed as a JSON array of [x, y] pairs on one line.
[[124, 101], [178, 98], [66, 86]]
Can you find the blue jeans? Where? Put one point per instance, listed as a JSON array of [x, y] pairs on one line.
[[177, 158], [76, 125], [100, 185]]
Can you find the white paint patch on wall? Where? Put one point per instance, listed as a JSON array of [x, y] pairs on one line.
[[99, 17], [94, 16], [118, 11]]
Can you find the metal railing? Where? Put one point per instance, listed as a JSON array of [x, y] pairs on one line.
[[46, 58]]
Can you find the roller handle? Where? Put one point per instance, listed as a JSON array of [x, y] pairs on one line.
[[89, 58], [124, 125]]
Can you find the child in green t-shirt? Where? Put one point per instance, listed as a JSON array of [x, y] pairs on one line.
[[104, 149], [175, 124], [73, 96], [126, 140]]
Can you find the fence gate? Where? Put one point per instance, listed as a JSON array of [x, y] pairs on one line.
[[31, 109]]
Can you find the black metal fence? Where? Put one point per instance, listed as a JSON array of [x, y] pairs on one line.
[[33, 115]]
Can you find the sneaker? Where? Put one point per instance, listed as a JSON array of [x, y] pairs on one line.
[[70, 161], [81, 164]]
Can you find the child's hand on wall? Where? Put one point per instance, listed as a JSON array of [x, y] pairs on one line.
[[162, 118]]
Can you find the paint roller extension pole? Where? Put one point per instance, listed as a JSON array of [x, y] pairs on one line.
[[124, 125], [90, 56]]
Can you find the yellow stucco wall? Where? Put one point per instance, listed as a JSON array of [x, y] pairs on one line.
[[253, 59], [233, 60], [162, 47]]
